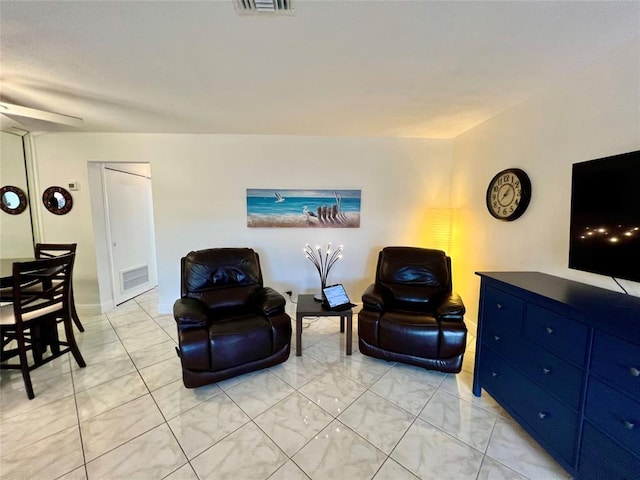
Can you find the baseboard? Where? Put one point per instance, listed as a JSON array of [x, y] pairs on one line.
[[95, 308]]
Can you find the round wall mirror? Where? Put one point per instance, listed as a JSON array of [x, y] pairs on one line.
[[12, 200], [57, 200]]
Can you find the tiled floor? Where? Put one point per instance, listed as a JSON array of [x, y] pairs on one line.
[[321, 416]]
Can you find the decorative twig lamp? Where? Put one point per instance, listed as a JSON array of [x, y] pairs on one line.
[[323, 263]]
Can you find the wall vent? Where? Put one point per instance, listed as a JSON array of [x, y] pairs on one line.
[[134, 277], [264, 6]]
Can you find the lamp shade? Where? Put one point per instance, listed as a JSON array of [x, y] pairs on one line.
[[439, 229]]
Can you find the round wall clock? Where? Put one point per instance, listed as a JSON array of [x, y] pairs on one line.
[[508, 194], [57, 200]]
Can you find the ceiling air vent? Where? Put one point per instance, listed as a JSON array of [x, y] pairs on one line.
[[264, 6]]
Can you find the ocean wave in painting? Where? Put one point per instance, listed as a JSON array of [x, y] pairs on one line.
[[303, 208]]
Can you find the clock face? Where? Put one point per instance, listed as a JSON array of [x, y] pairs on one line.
[[508, 194]]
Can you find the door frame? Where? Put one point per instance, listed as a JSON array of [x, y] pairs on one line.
[[107, 280]]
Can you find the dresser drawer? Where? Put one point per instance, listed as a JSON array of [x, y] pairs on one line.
[[614, 413], [550, 371], [501, 311], [561, 335], [603, 459], [556, 423], [618, 362]]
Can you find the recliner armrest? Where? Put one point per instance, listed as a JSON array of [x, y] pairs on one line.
[[373, 298], [450, 307], [269, 301], [189, 313]]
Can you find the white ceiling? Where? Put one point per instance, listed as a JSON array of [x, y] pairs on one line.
[[426, 69]]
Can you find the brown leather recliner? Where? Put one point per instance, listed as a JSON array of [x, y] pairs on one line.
[[410, 313], [228, 322]]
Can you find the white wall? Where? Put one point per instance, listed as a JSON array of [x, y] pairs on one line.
[[592, 114], [199, 189], [199, 184]]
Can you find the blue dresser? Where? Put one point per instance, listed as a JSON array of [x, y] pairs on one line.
[[563, 359]]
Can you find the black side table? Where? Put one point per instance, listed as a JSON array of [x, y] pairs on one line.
[[308, 307]]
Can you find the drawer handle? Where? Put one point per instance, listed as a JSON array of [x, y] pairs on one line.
[[629, 425], [634, 372], [546, 371], [499, 306], [542, 415], [549, 330], [494, 374], [496, 337]]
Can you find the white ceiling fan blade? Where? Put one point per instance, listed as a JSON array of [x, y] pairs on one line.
[[17, 110]]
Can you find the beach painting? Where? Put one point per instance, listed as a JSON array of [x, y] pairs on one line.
[[302, 208]]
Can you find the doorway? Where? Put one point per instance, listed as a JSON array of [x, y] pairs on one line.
[[130, 231]]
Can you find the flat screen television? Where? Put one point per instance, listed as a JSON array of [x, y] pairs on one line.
[[605, 216]]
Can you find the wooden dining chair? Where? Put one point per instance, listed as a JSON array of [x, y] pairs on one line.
[[41, 296], [50, 250]]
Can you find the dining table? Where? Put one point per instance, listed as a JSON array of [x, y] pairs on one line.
[[6, 270]]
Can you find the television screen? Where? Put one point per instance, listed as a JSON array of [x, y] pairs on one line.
[[605, 216]]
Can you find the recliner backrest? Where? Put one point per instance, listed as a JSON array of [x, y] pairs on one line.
[[221, 277], [413, 276]]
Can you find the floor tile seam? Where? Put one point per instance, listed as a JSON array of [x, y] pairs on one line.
[[514, 468], [245, 377], [79, 342], [390, 401], [87, 462], [84, 421], [454, 437], [485, 456], [335, 419], [169, 339], [245, 423], [493, 427], [21, 447], [188, 409], [124, 314], [289, 457], [114, 318], [157, 323], [468, 402], [113, 358], [331, 368], [181, 466], [427, 402], [4, 418], [417, 376], [137, 370], [293, 386], [368, 441], [336, 369], [317, 405], [483, 451], [30, 411], [148, 329], [84, 457], [109, 380], [74, 468], [122, 333], [390, 455], [166, 422], [136, 366], [282, 466], [261, 412], [487, 409]]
